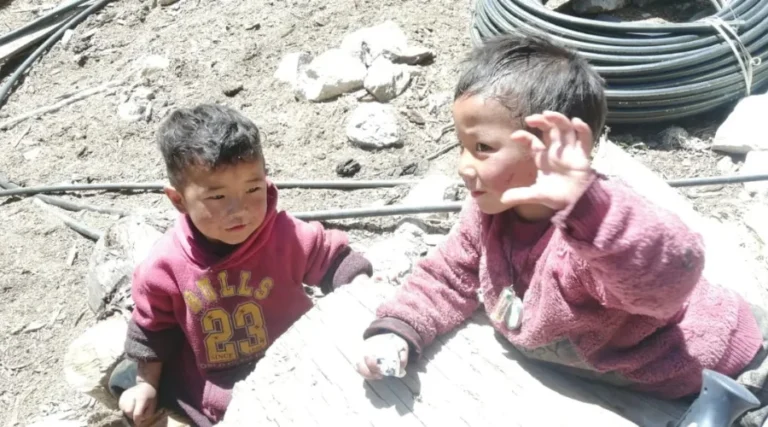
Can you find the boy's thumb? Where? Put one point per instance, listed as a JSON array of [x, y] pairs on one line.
[[520, 196]]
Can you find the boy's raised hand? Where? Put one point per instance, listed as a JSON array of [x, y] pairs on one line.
[[383, 355], [562, 158]]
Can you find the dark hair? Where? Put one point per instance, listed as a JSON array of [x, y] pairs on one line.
[[528, 74], [209, 136]]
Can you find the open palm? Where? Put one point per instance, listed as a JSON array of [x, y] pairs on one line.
[[562, 159]]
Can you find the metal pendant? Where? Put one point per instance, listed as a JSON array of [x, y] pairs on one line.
[[515, 314], [501, 309]]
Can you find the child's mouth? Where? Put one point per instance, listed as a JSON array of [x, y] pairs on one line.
[[477, 193], [236, 228]]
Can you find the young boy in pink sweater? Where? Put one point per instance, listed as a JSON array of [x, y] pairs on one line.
[[226, 281], [572, 268]]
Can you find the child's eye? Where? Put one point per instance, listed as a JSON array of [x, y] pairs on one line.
[[482, 148], [216, 197], [254, 189]]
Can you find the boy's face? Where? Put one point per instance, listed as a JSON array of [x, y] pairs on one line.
[[490, 162], [226, 204]]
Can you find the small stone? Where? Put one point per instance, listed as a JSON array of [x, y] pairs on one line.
[[368, 43], [673, 137], [385, 80], [597, 6], [412, 55], [373, 125], [348, 168], [415, 117], [35, 326], [742, 131], [253, 26], [756, 163], [152, 64], [130, 111], [393, 258], [726, 165], [232, 90], [32, 154], [81, 60], [291, 66], [167, 2], [65, 39], [332, 73], [409, 169], [143, 93]]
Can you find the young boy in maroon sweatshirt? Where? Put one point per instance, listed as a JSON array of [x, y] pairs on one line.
[[226, 280], [574, 269]]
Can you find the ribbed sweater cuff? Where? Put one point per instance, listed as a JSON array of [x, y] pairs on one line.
[[582, 219], [745, 343]]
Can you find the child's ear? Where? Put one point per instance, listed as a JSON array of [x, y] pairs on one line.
[[176, 198]]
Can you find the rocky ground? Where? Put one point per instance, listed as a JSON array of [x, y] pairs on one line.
[[160, 57]]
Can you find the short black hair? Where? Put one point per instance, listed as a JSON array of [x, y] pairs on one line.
[[529, 74], [209, 136]]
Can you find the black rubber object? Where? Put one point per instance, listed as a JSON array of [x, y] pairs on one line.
[[653, 72], [722, 400]]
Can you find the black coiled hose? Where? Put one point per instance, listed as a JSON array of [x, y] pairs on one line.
[[653, 72]]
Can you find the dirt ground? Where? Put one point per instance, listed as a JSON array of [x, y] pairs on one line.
[[213, 46]]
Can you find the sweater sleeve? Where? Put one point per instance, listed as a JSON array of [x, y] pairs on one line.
[[440, 293], [153, 332], [642, 258], [328, 261]]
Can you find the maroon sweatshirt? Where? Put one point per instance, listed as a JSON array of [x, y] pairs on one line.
[[209, 317], [612, 286]]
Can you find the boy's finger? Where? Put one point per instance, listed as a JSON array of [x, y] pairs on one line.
[[403, 354], [563, 125], [538, 121], [520, 196], [584, 132], [373, 368], [524, 137]]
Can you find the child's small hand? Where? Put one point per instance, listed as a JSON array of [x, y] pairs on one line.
[[384, 355], [562, 159], [139, 402]]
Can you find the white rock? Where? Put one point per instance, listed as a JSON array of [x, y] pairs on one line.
[[66, 38], [742, 131], [756, 163], [597, 6], [130, 111], [152, 64], [385, 80], [373, 125], [368, 43], [429, 191], [394, 257], [32, 154], [91, 357], [726, 165], [411, 55], [291, 65], [332, 73]]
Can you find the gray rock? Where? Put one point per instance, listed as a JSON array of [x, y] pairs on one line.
[[368, 43], [726, 165], [597, 6], [373, 125], [742, 131], [394, 257], [291, 66], [152, 64], [385, 80], [130, 111], [332, 73], [429, 191], [411, 55]]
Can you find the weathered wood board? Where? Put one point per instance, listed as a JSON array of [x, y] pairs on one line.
[[469, 378]]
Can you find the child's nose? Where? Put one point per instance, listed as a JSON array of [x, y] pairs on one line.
[[466, 167]]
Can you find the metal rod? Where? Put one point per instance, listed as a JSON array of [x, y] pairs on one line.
[[381, 211]]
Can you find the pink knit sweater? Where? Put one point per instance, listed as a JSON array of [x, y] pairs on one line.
[[612, 285]]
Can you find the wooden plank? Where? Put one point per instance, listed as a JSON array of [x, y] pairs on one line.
[[468, 378]]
